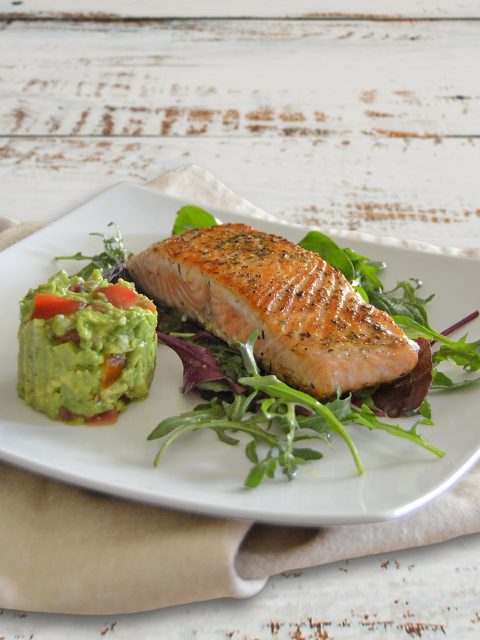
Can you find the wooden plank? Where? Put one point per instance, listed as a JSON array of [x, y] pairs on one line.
[[315, 9], [418, 189], [241, 78]]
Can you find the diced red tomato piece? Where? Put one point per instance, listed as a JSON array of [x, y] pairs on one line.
[[113, 365], [65, 415], [47, 305], [120, 296], [105, 418], [148, 305]]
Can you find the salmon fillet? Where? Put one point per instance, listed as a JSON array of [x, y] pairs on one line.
[[315, 331]]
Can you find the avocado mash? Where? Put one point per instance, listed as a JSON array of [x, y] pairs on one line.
[[86, 348]]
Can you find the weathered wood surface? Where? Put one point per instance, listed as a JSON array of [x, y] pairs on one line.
[[241, 78], [359, 122], [420, 188], [313, 9]]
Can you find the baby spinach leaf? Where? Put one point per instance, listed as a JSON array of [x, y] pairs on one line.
[[329, 250], [191, 217]]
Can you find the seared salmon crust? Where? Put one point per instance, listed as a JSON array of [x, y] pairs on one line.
[[315, 331]]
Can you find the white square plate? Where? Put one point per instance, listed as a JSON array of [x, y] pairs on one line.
[[198, 473]]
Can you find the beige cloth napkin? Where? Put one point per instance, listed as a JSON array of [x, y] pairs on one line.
[[67, 550]]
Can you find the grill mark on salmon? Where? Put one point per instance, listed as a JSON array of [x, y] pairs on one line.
[[316, 332]]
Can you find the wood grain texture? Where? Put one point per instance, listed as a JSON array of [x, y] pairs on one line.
[[419, 188], [314, 9], [242, 78]]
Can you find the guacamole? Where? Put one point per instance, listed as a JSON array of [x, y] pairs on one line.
[[86, 348]]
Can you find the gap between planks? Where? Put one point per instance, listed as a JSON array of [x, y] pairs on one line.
[[377, 136], [331, 17], [113, 10]]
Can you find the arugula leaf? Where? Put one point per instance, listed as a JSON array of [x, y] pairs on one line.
[[442, 382], [306, 454], [366, 418], [274, 387], [415, 329], [462, 353], [259, 471], [192, 217], [407, 305]]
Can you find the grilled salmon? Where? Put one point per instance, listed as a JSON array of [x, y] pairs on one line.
[[315, 331]]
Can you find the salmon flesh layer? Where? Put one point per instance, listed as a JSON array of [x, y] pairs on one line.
[[315, 331]]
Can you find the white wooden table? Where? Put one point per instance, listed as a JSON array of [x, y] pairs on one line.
[[318, 112]]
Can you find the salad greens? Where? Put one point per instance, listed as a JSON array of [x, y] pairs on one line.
[[110, 262], [269, 416]]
